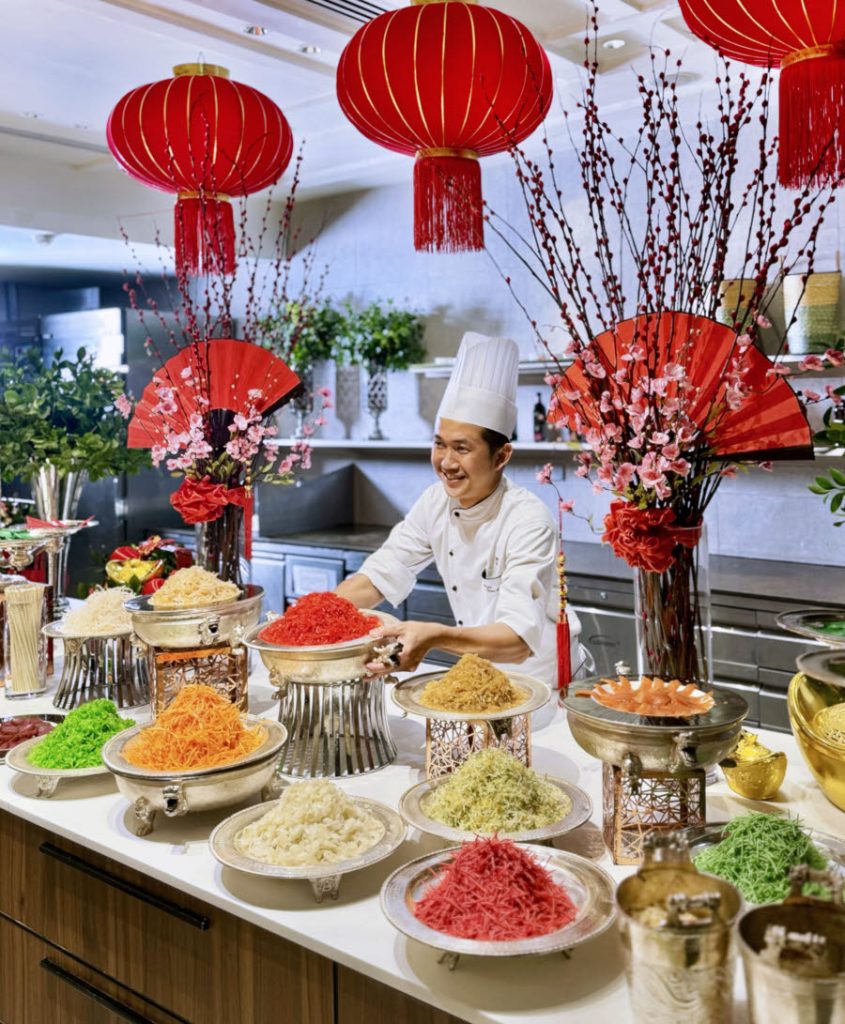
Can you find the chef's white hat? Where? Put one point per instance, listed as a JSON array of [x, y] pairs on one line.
[[482, 388]]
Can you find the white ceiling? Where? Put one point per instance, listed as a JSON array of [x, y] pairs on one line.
[[65, 63]]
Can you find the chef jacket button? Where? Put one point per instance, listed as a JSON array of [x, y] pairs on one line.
[[460, 622], [451, 553], [454, 588], [457, 515]]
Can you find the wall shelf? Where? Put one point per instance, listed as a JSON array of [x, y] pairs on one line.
[[521, 448], [530, 370]]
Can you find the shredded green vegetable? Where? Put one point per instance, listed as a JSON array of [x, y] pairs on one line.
[[493, 792], [757, 853], [77, 742]]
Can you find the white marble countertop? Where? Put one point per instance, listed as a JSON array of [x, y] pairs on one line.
[[353, 931]]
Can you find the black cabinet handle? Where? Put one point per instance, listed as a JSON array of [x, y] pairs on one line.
[[166, 906], [110, 1003]]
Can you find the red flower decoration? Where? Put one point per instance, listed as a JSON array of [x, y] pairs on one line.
[[122, 553], [200, 501], [151, 586], [646, 537]]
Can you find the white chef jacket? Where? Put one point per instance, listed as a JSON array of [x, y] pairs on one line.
[[497, 560]]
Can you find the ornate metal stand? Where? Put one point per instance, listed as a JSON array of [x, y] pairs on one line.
[[640, 801], [334, 729], [449, 744], [104, 666], [223, 668]]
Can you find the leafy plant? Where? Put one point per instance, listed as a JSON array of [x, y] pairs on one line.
[[382, 337], [302, 334], [63, 412], [831, 486]]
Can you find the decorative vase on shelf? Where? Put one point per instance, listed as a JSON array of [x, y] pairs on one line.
[[219, 544], [673, 618], [57, 496], [815, 309], [376, 399], [303, 403]]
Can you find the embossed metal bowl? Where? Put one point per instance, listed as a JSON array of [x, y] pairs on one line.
[[324, 878], [658, 744], [588, 886], [322, 664], [807, 695], [48, 778], [177, 793], [412, 809], [186, 628]]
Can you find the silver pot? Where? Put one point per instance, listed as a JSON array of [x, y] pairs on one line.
[[186, 628], [178, 793]]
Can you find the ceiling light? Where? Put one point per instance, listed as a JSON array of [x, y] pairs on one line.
[[613, 44], [255, 30], [307, 48]]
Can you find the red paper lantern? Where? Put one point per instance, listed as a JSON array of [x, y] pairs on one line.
[[806, 39], [448, 82], [205, 138]]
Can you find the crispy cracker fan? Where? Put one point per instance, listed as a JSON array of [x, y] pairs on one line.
[[769, 424], [652, 697], [223, 371]]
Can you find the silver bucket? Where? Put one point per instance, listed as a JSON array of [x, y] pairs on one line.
[[794, 956], [677, 936]]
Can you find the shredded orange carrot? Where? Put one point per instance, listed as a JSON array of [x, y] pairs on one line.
[[198, 729]]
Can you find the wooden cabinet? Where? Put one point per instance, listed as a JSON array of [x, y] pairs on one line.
[[364, 1001]]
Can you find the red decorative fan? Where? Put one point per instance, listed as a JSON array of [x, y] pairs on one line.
[[222, 371], [770, 422]]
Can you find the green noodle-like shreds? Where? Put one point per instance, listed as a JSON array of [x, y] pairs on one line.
[[757, 853], [493, 792], [78, 741]]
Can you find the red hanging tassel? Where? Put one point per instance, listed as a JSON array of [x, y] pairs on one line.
[[812, 117], [564, 657], [204, 233], [448, 215]]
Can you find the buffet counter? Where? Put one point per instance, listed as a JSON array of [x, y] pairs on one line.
[[363, 968]]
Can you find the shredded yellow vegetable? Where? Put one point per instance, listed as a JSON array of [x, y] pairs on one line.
[[474, 684]]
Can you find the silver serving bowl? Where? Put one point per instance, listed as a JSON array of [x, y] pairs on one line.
[[324, 664], [655, 743], [177, 793], [206, 626], [48, 778]]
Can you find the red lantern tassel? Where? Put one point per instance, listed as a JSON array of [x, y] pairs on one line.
[[204, 233], [564, 658], [812, 117], [448, 214]]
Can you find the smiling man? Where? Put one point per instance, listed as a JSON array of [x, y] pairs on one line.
[[494, 544]]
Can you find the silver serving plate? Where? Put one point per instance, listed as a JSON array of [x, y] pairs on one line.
[[48, 778], [700, 837], [808, 622], [324, 878], [324, 664], [177, 793], [55, 631], [407, 693], [55, 719], [825, 666], [653, 743], [411, 809], [589, 887], [206, 626]]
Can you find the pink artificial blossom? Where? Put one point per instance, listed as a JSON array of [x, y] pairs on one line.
[[729, 472], [324, 392], [123, 405], [811, 363], [566, 506], [766, 466], [811, 396], [830, 391], [743, 341], [779, 370], [545, 474], [763, 321], [186, 372], [834, 357]]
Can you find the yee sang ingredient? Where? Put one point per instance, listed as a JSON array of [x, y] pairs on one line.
[[317, 619], [757, 854], [198, 729], [494, 890], [473, 684], [78, 741], [653, 697], [313, 822], [102, 614], [192, 588], [493, 792], [18, 730]]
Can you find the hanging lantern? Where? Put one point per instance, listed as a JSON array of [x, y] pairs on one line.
[[806, 40], [447, 82], [206, 138]]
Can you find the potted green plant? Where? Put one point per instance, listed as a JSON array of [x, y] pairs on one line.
[[303, 335], [381, 338]]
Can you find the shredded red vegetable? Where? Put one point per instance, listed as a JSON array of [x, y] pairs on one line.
[[318, 618], [493, 889]]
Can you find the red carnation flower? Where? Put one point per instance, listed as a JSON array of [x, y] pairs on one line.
[[646, 537], [200, 501]]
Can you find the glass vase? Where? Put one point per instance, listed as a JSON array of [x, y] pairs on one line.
[[219, 544], [376, 399], [673, 618]]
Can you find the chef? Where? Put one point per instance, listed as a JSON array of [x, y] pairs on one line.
[[493, 543]]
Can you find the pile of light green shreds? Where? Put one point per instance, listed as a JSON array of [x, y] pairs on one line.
[[757, 854], [78, 741], [493, 792]]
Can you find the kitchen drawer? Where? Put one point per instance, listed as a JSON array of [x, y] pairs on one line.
[[750, 694], [40, 984], [601, 595], [732, 617], [430, 602], [736, 647], [775, 679], [773, 712], [198, 962], [781, 651], [305, 575], [737, 671], [270, 574]]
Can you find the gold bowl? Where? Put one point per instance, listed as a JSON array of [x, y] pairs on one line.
[[759, 779], [806, 697]]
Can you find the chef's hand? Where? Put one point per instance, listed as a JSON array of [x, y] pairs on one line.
[[416, 638]]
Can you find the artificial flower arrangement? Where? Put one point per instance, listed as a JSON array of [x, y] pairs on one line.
[[144, 567]]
